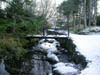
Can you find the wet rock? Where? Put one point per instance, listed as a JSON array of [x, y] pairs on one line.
[[52, 58], [41, 68]]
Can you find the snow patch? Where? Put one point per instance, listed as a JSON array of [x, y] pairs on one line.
[[51, 41], [48, 47], [61, 68]]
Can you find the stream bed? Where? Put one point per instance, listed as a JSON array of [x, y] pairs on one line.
[[48, 57]]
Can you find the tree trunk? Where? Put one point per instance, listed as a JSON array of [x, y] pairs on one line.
[[85, 14], [90, 12], [73, 20], [95, 12], [79, 16]]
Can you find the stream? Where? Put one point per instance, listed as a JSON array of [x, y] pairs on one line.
[[48, 57]]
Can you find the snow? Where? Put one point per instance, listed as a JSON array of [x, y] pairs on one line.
[[91, 30], [50, 36], [96, 29], [49, 45], [50, 41], [59, 64], [59, 31], [89, 46], [62, 69], [54, 42], [52, 57]]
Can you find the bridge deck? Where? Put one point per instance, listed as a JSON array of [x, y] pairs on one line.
[[47, 36]]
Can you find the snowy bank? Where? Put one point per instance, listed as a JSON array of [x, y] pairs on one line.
[[89, 46]]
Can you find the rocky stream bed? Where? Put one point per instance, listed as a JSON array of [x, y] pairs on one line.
[[48, 57]]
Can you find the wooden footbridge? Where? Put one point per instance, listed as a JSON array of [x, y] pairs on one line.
[[57, 33]]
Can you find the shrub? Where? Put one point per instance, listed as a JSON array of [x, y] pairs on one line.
[[11, 47], [29, 26]]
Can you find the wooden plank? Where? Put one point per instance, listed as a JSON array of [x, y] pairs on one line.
[[47, 36]]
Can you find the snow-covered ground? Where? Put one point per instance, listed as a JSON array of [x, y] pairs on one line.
[[89, 46], [91, 30]]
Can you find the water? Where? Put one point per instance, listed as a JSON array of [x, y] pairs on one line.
[[41, 67], [2, 68]]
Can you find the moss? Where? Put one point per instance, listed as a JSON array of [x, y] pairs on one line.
[[11, 47]]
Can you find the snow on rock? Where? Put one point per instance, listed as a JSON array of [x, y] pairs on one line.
[[52, 57], [89, 46], [59, 64], [52, 41], [91, 30], [49, 45], [61, 69]]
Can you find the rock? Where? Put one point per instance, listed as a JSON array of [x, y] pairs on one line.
[[52, 58]]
